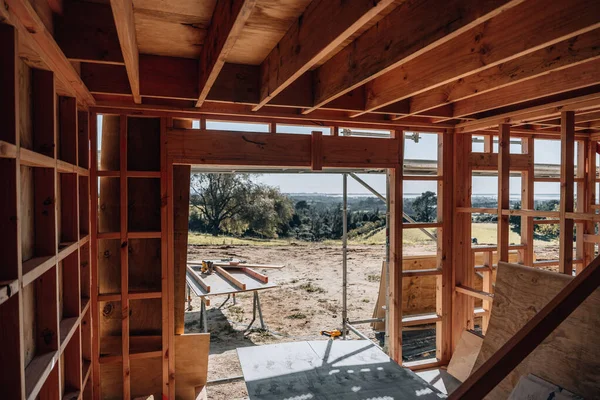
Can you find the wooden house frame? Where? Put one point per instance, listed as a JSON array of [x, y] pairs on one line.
[[527, 69]]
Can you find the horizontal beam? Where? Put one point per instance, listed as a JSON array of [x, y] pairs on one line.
[[279, 150], [564, 54], [412, 29], [311, 38], [486, 46]]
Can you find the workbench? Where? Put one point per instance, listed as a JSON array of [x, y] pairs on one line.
[[328, 369]]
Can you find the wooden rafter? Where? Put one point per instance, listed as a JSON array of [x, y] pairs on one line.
[[312, 37], [581, 75], [485, 46], [123, 15], [393, 42], [228, 19], [565, 54]]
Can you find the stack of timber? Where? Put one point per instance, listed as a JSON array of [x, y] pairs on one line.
[[569, 357]]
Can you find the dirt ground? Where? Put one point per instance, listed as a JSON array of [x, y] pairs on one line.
[[308, 299]]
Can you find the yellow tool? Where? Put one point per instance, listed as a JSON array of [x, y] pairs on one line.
[[332, 334], [207, 267]]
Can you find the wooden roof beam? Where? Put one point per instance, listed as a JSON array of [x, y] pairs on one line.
[[486, 46], [562, 55], [579, 76], [228, 19], [413, 28], [32, 31], [123, 15], [322, 27]]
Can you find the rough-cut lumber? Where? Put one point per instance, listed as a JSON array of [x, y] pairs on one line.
[[230, 278], [567, 150], [241, 148], [465, 355], [123, 14], [563, 80], [503, 190], [310, 39], [228, 19], [553, 58], [191, 364], [485, 46], [181, 207], [393, 41], [256, 275], [545, 324], [198, 278], [395, 289]]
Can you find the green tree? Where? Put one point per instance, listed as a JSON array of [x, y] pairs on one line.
[[425, 207]]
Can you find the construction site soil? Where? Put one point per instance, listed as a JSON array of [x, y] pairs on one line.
[[307, 300]]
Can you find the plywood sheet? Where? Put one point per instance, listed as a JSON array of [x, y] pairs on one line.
[[354, 369], [191, 364], [464, 357], [268, 22], [569, 357]]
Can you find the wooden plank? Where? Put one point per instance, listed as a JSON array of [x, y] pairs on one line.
[[95, 328], [385, 46], [198, 279], [181, 206], [567, 53], [563, 80], [228, 20], [478, 294], [168, 263], [527, 202], [463, 54], [124, 251], [230, 278], [503, 190], [462, 306], [517, 329], [444, 253], [256, 275], [191, 364], [124, 21], [489, 161], [311, 38], [316, 150], [464, 357], [567, 149], [395, 200]]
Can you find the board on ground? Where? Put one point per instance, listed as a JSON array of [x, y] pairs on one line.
[[332, 369]]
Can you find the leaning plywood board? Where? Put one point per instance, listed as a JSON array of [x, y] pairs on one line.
[[569, 357], [464, 357], [191, 364]]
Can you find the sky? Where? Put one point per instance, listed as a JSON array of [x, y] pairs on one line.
[[546, 152]]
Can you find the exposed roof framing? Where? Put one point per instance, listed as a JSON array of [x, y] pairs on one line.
[[229, 18], [485, 46], [123, 14], [412, 29], [320, 30], [386, 62]]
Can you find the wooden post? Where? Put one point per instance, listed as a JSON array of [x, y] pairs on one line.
[[590, 199], [503, 190], [395, 240], [580, 226], [124, 257], [567, 143], [443, 296], [462, 269], [488, 260], [527, 203]]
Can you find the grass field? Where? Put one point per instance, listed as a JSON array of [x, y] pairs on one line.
[[485, 233]]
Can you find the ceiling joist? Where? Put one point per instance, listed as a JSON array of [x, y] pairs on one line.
[[485, 46], [123, 15], [321, 29], [228, 19], [413, 28]]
